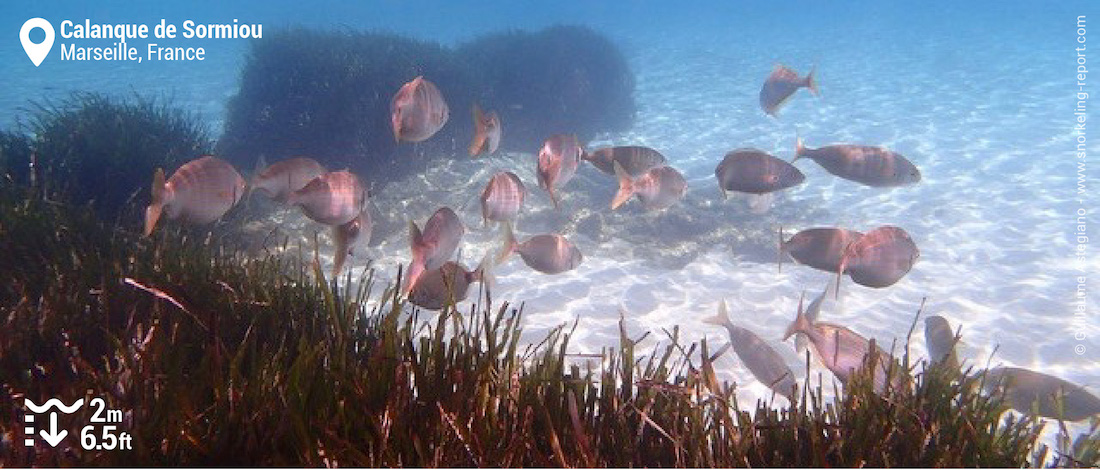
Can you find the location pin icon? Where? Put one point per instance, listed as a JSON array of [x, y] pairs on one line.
[[37, 52]]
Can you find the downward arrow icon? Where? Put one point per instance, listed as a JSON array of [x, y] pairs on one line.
[[55, 436]]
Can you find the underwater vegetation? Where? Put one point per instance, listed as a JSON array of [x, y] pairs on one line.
[[325, 94], [93, 149], [218, 358], [15, 157]]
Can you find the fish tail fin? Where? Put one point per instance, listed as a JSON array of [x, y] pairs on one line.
[[799, 149], [843, 266], [484, 272], [811, 83], [801, 324], [416, 265], [160, 193], [626, 187], [480, 132], [340, 239], [509, 244], [553, 198], [722, 318]]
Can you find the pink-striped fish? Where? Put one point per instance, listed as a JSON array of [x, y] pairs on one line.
[[199, 192], [633, 158], [486, 132], [334, 198], [349, 237], [818, 248], [434, 245], [418, 111], [283, 177], [879, 258], [558, 160], [448, 283], [502, 198], [844, 351], [657, 188], [872, 166], [780, 85], [547, 253]]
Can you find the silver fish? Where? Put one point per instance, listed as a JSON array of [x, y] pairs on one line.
[[761, 359], [1024, 387], [548, 253], [334, 198], [755, 172], [502, 198], [879, 258], [448, 283], [780, 85], [349, 236], [557, 163], [657, 188], [198, 192], [486, 132], [636, 160], [435, 245], [872, 166], [281, 178], [940, 340], [418, 111], [843, 351], [818, 248]]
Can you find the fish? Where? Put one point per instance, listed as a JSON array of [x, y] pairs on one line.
[[780, 85], [755, 172], [283, 177], [486, 132], [657, 188], [636, 160], [418, 111], [547, 253], [818, 248], [349, 236], [502, 198], [199, 192], [333, 198], [940, 340], [879, 258], [557, 163], [434, 245], [761, 359], [843, 351], [1024, 387], [449, 283], [872, 166], [813, 311]]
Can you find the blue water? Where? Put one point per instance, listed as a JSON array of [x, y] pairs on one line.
[[979, 95]]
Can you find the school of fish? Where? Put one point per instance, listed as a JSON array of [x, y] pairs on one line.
[[203, 190]]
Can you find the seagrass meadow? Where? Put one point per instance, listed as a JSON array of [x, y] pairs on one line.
[[222, 357]]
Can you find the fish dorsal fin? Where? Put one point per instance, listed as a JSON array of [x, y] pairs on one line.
[[509, 244], [415, 236], [722, 318]]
